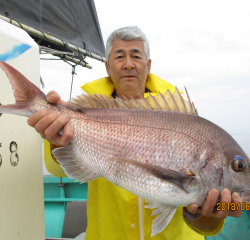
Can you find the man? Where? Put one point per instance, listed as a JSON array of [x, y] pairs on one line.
[[113, 213]]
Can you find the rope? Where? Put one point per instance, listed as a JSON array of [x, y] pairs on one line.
[[18, 23], [83, 43], [79, 54], [41, 33], [6, 12], [42, 82], [73, 72]]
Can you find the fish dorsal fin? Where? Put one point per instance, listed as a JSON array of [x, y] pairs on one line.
[[167, 102]]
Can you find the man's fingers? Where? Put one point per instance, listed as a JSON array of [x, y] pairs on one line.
[[208, 206], [67, 136], [235, 209], [34, 118], [54, 97], [46, 121], [225, 204], [51, 132], [192, 208]]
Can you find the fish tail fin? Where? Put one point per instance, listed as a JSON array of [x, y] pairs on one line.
[[24, 91]]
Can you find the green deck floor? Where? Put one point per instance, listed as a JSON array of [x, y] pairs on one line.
[[57, 192]]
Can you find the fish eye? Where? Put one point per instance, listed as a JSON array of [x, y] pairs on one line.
[[239, 164]]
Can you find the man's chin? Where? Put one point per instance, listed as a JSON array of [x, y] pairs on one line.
[[129, 87]]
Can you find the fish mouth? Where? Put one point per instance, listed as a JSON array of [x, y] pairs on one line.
[[245, 195]]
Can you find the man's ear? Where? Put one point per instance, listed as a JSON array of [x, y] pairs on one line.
[[149, 66], [107, 68]]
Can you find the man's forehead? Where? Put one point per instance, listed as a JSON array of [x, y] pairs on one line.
[[119, 46]]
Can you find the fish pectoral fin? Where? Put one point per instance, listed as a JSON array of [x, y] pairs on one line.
[[169, 175], [165, 214], [72, 166]]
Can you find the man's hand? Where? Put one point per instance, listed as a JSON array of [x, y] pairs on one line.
[[48, 123], [210, 207]]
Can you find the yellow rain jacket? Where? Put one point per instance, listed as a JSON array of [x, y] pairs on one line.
[[113, 213]]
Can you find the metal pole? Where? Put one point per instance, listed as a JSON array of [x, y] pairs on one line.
[[74, 60]]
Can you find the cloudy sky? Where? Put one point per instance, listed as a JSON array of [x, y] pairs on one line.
[[203, 45]]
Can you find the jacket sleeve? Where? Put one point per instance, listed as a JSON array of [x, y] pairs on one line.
[[206, 226], [51, 164]]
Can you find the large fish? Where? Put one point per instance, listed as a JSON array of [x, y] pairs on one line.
[[169, 158]]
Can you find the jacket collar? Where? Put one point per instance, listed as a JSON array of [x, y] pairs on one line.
[[105, 86]]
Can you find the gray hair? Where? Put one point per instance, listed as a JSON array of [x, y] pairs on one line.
[[127, 34]]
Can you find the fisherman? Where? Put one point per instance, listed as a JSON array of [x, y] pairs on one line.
[[113, 213]]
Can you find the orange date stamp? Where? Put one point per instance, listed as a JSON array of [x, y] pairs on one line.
[[233, 206]]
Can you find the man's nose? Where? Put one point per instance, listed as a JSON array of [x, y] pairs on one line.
[[128, 63]]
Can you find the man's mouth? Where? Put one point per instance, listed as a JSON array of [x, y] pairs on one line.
[[128, 76]]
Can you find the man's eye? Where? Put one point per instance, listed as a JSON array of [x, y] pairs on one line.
[[120, 57], [137, 57]]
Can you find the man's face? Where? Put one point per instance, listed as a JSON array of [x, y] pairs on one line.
[[128, 67]]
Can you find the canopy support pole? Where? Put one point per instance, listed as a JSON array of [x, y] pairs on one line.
[[52, 39]]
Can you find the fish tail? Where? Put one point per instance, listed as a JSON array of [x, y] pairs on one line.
[[24, 91]]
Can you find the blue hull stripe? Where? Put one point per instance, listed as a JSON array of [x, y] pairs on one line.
[[16, 51]]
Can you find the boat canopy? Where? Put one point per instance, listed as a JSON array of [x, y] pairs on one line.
[[74, 22]]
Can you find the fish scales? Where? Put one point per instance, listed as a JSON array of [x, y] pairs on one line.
[[119, 137]]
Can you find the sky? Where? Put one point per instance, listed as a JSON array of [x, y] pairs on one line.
[[202, 45]]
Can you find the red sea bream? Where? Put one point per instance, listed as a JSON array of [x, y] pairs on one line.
[[170, 157]]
